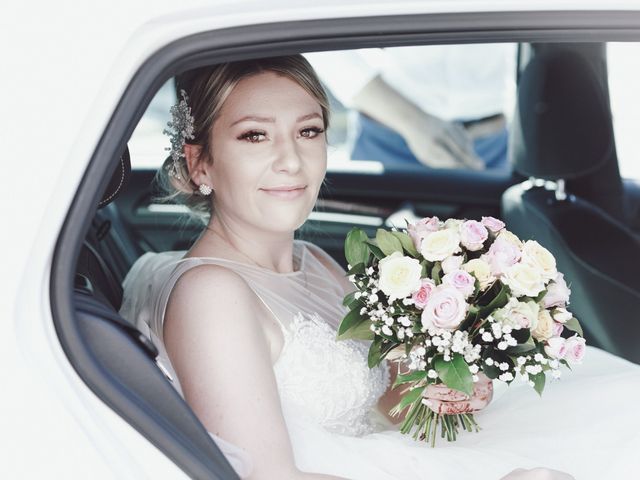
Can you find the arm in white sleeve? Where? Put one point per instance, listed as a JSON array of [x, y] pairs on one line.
[[346, 72]]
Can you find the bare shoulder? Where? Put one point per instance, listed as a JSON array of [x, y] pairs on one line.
[[207, 297]]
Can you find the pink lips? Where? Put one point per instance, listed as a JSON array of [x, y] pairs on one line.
[[285, 191]]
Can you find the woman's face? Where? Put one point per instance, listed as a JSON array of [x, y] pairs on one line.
[[269, 154]]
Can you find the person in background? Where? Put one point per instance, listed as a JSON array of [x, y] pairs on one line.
[[442, 106]]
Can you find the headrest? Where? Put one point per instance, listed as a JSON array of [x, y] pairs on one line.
[[563, 127], [119, 178]]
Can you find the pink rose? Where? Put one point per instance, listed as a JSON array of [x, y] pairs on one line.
[[502, 254], [557, 329], [556, 347], [557, 293], [461, 280], [451, 263], [421, 297], [446, 308], [576, 348], [493, 224], [417, 231], [473, 234]]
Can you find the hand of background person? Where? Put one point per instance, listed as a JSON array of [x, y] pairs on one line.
[[445, 400], [440, 144], [537, 474], [434, 142]]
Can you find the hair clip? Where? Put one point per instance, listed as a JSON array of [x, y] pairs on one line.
[[181, 128]]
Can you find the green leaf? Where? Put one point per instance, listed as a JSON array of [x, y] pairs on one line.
[[499, 301], [522, 347], [379, 254], [355, 248], [409, 398], [410, 377], [387, 242], [350, 320], [349, 299], [455, 373], [361, 331], [406, 242], [435, 273], [573, 325], [375, 352], [358, 268], [538, 381]]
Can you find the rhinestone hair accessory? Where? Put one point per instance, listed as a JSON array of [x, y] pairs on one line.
[[181, 128]]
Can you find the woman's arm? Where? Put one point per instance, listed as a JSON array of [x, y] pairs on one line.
[[218, 348]]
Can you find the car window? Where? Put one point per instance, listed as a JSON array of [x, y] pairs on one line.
[[436, 106], [623, 60]]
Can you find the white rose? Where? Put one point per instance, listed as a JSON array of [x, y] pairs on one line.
[[545, 328], [539, 257], [452, 263], [439, 245], [481, 270], [518, 314], [453, 223], [523, 279], [399, 276], [510, 237]]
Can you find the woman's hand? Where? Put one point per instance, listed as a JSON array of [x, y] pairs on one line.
[[444, 400]]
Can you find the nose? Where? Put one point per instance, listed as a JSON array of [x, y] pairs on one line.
[[288, 156]]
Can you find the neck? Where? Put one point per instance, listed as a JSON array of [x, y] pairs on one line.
[[271, 251]]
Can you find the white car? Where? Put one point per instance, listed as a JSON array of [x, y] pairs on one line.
[[82, 395]]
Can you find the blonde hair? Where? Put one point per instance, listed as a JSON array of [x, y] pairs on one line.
[[207, 89]]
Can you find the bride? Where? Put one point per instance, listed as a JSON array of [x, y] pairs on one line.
[[245, 321]]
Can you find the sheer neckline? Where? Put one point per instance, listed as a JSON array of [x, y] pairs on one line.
[[299, 254]]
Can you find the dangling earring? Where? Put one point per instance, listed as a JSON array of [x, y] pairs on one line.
[[205, 189]]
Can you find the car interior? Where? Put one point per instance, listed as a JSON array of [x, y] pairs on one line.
[[564, 188]]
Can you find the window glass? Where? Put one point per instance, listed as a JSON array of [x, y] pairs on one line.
[[436, 106], [623, 61]]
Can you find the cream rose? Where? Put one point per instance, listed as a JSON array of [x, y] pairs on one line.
[[439, 245], [545, 328], [399, 275], [481, 270], [446, 308], [539, 257], [523, 280]]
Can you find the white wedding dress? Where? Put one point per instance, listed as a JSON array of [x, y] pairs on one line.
[[585, 424]]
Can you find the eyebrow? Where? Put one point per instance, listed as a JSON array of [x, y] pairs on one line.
[[257, 118]]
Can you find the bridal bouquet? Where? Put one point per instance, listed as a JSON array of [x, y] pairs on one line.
[[451, 299]]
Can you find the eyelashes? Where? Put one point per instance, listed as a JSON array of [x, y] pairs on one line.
[[257, 136]]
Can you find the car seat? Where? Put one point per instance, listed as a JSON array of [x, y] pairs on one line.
[[572, 203]]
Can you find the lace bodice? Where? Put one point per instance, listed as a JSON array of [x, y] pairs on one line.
[[328, 381], [320, 379]]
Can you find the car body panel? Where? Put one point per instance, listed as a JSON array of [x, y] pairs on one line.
[[70, 64]]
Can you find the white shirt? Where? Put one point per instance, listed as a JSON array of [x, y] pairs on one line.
[[453, 82]]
